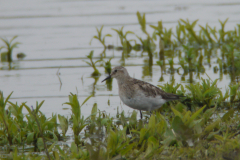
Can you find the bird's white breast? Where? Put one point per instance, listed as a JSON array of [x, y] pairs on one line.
[[142, 102]]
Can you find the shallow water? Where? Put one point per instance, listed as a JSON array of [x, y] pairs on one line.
[[56, 34]]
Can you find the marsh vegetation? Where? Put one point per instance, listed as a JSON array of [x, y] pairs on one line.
[[203, 125]]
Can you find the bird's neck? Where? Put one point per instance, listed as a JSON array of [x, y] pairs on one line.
[[123, 80]]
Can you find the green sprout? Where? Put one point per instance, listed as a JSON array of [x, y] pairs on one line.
[[9, 126], [9, 46], [100, 37], [190, 28], [77, 118], [171, 63], [222, 32], [63, 124], [123, 38], [207, 32], [93, 64], [42, 124], [180, 33], [147, 44], [142, 22], [108, 66], [164, 34], [205, 92]]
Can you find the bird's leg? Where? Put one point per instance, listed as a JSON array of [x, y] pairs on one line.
[[141, 114]]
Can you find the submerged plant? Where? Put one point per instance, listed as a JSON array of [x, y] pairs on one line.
[[9, 46], [108, 66], [108, 70], [93, 64]]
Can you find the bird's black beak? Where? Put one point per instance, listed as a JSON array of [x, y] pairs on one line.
[[108, 77]]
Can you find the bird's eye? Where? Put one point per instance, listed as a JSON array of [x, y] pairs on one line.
[[115, 71]]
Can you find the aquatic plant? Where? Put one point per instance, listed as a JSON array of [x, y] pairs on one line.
[[186, 126], [142, 22], [21, 129], [222, 32], [21, 55], [197, 45], [9, 128], [191, 34], [77, 118], [164, 34], [123, 38], [161, 64], [204, 93], [202, 125], [33, 115], [100, 37], [108, 66], [9, 46], [172, 88], [207, 34], [93, 64], [180, 33], [185, 34], [185, 134], [147, 44], [63, 122]]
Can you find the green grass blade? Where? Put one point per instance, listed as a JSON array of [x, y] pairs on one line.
[[86, 100]]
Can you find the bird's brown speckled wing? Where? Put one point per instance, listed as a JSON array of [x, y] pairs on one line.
[[151, 90]]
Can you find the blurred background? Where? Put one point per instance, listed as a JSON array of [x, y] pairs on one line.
[[55, 37]]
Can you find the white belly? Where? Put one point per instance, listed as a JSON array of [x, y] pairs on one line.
[[141, 102]]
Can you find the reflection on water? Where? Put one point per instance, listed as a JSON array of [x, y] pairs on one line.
[[93, 86], [186, 65], [109, 84], [59, 38], [147, 68], [58, 75]]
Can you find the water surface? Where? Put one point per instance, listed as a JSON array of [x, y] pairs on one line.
[[56, 34]]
